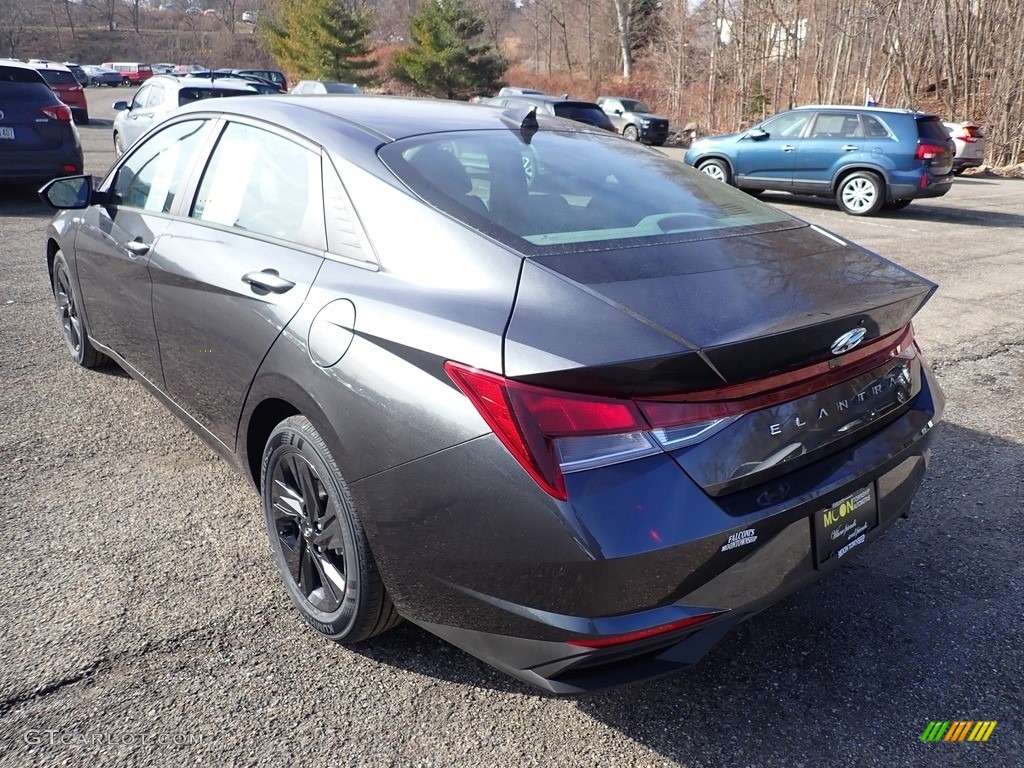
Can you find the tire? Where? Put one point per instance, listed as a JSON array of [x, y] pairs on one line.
[[118, 146], [125, 81], [896, 205], [319, 546], [959, 171], [717, 170], [630, 132], [862, 193], [72, 324], [84, 120]]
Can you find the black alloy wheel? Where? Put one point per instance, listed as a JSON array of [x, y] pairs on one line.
[[318, 542], [72, 324]]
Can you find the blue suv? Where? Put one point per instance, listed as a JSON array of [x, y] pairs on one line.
[[868, 158]]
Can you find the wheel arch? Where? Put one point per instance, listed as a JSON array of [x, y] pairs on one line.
[[716, 156], [846, 170], [52, 246]]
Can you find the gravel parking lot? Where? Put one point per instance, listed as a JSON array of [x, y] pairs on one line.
[[143, 622]]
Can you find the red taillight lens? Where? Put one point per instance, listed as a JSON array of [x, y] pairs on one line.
[[60, 112], [529, 420], [552, 433], [630, 637], [929, 151]]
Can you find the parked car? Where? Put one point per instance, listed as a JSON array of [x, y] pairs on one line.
[[515, 90], [635, 120], [249, 17], [38, 140], [867, 158], [261, 85], [164, 94], [67, 88], [649, 407], [270, 75], [321, 87], [164, 68], [78, 72], [102, 76], [572, 109], [132, 73], [969, 141]]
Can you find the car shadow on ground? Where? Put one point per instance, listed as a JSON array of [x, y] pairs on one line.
[[23, 200], [919, 210], [914, 629]]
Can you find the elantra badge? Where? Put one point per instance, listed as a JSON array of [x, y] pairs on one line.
[[848, 341]]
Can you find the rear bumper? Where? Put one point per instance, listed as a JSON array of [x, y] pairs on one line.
[[935, 186], [514, 581], [41, 165], [960, 163]]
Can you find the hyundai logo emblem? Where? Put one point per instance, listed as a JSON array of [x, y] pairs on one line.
[[848, 341]]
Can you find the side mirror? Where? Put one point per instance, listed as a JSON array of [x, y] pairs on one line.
[[68, 192], [757, 134], [121, 106], [618, 111]]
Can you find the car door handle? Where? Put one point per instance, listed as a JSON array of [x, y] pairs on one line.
[[268, 280], [850, 148], [788, 148], [137, 248]]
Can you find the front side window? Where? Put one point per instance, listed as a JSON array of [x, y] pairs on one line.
[[571, 191], [141, 99], [153, 176], [263, 183], [788, 125]]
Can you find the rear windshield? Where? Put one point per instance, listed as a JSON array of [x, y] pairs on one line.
[[582, 113], [342, 88], [188, 95], [17, 82], [932, 128], [572, 191], [58, 77]]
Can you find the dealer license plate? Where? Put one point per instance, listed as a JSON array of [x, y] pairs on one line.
[[6, 132], [841, 528]]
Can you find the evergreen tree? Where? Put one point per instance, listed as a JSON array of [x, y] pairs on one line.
[[321, 39], [443, 59]]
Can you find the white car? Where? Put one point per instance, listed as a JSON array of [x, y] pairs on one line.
[[970, 146], [249, 17], [161, 95]]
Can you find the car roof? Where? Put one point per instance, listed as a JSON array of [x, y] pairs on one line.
[[17, 64], [384, 118], [862, 108], [190, 81], [50, 65]]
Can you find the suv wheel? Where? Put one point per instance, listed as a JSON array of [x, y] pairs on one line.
[[716, 169], [630, 132], [860, 194]]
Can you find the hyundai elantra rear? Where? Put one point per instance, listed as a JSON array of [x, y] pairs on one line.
[[546, 393]]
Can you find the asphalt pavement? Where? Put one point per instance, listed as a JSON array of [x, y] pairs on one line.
[[142, 622]]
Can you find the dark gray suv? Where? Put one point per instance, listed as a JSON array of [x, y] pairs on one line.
[[867, 158]]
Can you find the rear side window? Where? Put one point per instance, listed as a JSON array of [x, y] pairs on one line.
[[932, 128], [572, 191], [58, 77], [873, 127], [16, 82], [261, 182]]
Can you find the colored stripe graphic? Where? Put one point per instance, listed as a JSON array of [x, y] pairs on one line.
[[958, 730]]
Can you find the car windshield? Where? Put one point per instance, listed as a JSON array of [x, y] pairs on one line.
[[632, 105], [342, 88], [572, 191]]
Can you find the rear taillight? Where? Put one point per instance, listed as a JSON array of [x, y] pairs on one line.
[[552, 433], [969, 134], [929, 151], [59, 112]]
